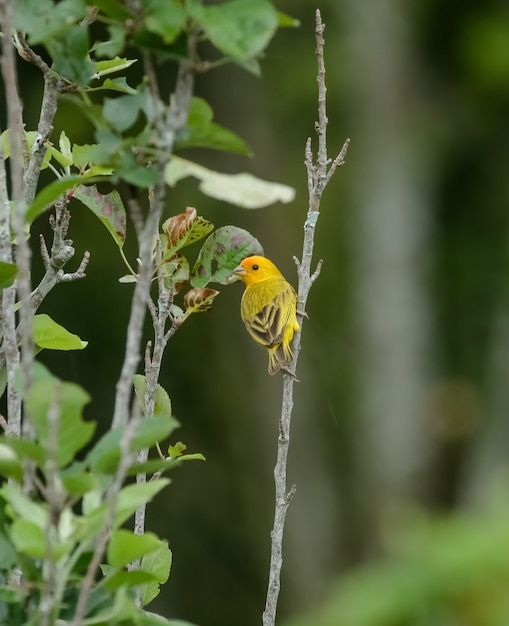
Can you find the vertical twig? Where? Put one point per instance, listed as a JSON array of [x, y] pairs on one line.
[[319, 174], [50, 601], [101, 541], [15, 127], [167, 127], [24, 176]]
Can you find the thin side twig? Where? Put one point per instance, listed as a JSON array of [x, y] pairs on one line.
[[319, 173]]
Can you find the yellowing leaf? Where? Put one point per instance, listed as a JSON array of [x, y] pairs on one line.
[[244, 190]]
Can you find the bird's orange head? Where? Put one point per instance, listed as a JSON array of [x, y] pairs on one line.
[[255, 269]]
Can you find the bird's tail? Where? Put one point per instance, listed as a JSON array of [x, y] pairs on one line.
[[279, 357]]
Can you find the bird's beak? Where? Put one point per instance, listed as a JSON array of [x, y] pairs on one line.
[[237, 273]]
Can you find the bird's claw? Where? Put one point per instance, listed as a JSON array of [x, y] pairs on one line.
[[285, 370]]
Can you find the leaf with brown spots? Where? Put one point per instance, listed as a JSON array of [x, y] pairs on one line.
[[184, 229], [175, 271], [199, 300], [221, 254], [108, 208]]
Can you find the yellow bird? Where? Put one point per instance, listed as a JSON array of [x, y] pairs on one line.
[[268, 309]]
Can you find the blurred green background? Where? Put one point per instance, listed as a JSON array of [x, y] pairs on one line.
[[401, 412]]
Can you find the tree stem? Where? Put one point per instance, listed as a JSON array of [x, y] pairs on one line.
[[319, 175]]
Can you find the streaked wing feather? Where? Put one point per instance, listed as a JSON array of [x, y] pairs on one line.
[[267, 326]]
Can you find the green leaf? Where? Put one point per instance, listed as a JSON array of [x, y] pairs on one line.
[[244, 190], [70, 55], [65, 148], [8, 273], [28, 537], [88, 154], [152, 466], [27, 450], [122, 112], [134, 496], [165, 18], [221, 253], [113, 8], [137, 174], [23, 507], [48, 194], [128, 278], [239, 28], [50, 335], [62, 156], [7, 553], [124, 547], [110, 66], [200, 131], [109, 208], [285, 21], [113, 46], [158, 563], [177, 450], [67, 400], [133, 578], [10, 465], [42, 19], [3, 379], [105, 455], [77, 481], [116, 84], [162, 404]]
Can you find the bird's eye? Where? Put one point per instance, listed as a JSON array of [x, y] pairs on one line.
[[255, 267]]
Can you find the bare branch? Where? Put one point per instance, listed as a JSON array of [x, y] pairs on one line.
[[318, 176], [11, 352], [79, 273], [55, 497], [168, 127], [62, 251]]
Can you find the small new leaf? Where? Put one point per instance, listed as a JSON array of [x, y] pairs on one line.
[[177, 450], [177, 453]]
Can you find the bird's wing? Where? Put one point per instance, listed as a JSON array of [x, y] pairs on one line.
[[267, 326]]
